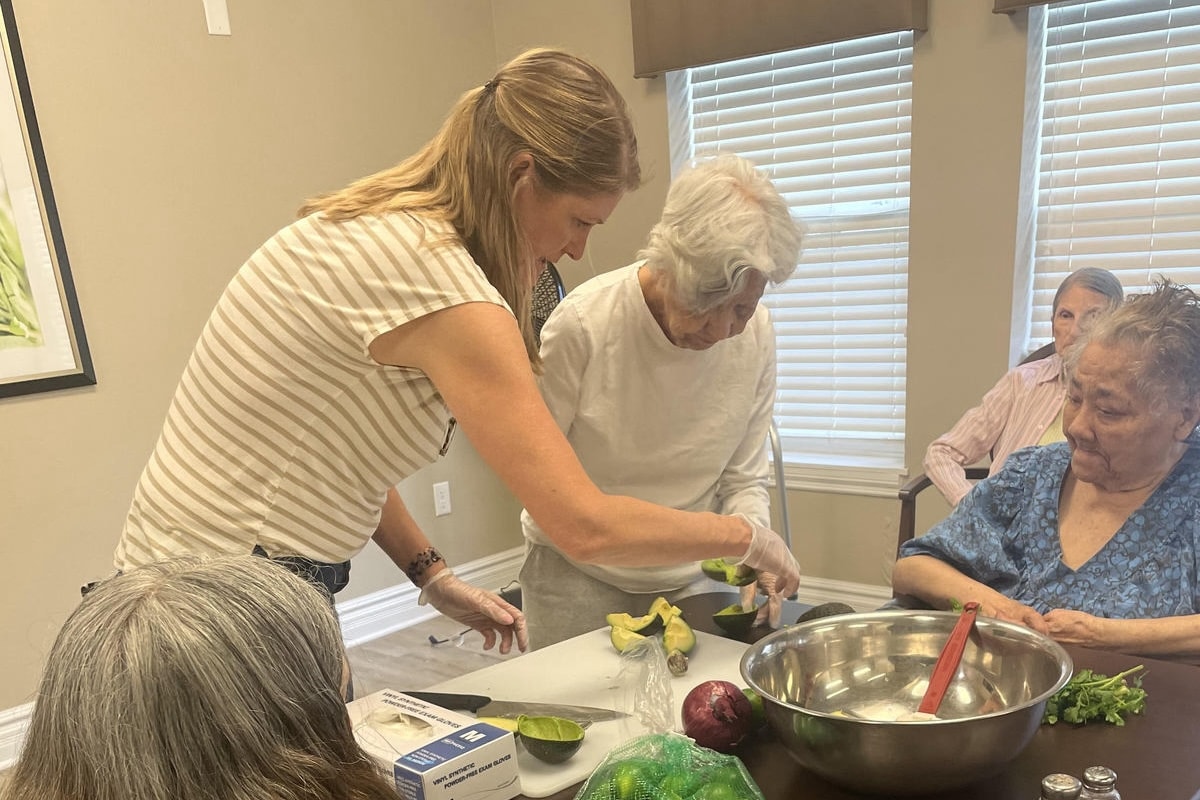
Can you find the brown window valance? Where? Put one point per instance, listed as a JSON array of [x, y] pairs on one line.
[[1011, 6], [673, 34]]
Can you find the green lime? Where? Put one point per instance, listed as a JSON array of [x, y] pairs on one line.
[[604, 790], [550, 739], [756, 706], [718, 790], [735, 620], [636, 780], [683, 783]]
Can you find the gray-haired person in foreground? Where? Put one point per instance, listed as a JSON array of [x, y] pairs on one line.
[[196, 678]]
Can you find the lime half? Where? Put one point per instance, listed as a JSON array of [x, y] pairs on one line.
[[550, 739]]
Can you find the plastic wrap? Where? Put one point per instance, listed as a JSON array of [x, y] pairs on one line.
[[645, 689]]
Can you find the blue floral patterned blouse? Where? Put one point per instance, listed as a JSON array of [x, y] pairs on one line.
[[1005, 535]]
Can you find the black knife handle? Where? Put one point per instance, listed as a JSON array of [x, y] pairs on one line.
[[454, 702]]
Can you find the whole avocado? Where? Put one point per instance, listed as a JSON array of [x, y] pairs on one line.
[[824, 610]]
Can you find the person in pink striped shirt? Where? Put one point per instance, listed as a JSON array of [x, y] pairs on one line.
[[1025, 407]]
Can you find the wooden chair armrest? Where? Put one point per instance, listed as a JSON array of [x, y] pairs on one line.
[[914, 485]]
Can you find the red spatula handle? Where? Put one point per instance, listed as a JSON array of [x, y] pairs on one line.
[[947, 663]]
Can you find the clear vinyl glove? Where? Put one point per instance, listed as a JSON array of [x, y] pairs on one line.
[[770, 612], [769, 553], [484, 611]]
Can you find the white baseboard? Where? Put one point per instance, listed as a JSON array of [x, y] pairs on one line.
[[13, 724], [389, 610], [395, 608]]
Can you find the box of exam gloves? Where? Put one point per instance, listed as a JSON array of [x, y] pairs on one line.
[[432, 753]]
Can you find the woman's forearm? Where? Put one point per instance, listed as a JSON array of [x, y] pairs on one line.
[[403, 541], [940, 585], [1168, 636]]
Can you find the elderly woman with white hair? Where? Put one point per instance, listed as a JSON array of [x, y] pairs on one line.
[[662, 376], [1095, 541]]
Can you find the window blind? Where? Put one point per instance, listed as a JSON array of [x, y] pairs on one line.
[[1119, 166], [830, 125]]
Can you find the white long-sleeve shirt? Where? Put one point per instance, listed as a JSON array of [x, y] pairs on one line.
[[1015, 413], [682, 428]]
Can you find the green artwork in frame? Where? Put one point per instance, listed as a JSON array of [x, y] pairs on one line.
[[42, 342]]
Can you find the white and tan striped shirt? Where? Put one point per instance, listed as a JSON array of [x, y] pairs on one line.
[[283, 431], [1015, 413]]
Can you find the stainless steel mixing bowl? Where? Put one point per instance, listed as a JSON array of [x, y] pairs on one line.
[[833, 688]]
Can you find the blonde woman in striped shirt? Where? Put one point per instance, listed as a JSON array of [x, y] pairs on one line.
[[1025, 408], [346, 350]]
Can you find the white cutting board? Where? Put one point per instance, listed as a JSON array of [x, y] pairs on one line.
[[584, 671]]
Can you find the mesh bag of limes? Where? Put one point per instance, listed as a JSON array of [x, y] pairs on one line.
[[667, 766]]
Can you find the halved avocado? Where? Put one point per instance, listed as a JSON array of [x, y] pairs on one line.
[[733, 574], [550, 739], [678, 640], [678, 635], [664, 610], [735, 620], [630, 622], [622, 638]]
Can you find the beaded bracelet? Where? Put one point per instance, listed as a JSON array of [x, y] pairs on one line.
[[424, 560]]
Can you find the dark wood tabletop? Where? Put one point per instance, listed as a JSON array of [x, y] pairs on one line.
[[1155, 754]]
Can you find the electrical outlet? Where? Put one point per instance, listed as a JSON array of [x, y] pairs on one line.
[[441, 498]]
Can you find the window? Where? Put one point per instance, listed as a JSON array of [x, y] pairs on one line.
[[830, 125], [1118, 182]]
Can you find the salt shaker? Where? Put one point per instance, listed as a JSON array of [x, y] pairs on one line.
[[1099, 783], [1059, 786]]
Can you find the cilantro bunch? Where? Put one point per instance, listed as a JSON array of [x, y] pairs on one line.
[[1091, 696]]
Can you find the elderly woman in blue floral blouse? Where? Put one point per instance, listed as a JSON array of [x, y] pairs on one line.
[[1093, 541]]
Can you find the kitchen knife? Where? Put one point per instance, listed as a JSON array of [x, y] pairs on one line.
[[484, 706]]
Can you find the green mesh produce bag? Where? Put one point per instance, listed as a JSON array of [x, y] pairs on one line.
[[667, 766]]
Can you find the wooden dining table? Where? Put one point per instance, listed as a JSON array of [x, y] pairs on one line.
[[1156, 755]]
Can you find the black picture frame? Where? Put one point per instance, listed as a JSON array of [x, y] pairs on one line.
[[42, 342]]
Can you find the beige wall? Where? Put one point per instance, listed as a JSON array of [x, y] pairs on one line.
[[174, 154]]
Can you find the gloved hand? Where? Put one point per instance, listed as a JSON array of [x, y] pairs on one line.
[[484, 611], [772, 610], [769, 553]]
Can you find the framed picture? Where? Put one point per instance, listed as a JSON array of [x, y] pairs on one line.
[[42, 344]]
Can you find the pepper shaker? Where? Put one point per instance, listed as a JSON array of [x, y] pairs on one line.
[[1060, 786], [1099, 783]]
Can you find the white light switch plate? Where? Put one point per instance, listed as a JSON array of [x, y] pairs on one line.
[[441, 498], [216, 14]]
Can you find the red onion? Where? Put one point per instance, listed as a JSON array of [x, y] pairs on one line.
[[717, 715]]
